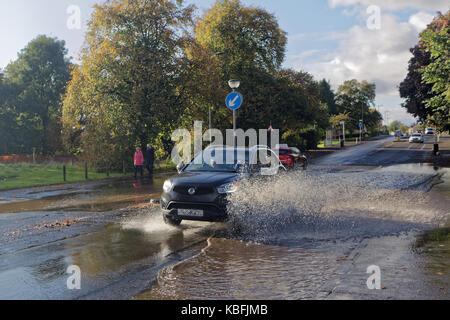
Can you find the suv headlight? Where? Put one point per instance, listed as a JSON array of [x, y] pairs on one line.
[[167, 186], [228, 188]]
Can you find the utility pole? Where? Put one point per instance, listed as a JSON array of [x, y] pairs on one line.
[[381, 124], [386, 117]]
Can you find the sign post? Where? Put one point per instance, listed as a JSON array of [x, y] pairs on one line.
[[234, 101], [361, 126]]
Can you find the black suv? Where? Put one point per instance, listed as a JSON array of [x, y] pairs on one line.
[[200, 190]]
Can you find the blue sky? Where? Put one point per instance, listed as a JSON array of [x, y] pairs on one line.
[[330, 38]]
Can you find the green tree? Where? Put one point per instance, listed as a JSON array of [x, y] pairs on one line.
[[395, 125], [254, 47], [38, 78], [356, 99], [436, 74], [127, 90], [426, 86], [327, 96]]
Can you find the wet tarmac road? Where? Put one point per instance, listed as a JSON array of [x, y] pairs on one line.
[[302, 236]]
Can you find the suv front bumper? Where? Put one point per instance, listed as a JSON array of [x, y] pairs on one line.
[[212, 212]]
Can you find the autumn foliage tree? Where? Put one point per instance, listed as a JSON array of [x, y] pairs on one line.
[[125, 91]]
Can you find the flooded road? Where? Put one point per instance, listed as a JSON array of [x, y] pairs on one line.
[[297, 236]]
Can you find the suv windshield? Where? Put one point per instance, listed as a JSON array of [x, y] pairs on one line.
[[219, 160]]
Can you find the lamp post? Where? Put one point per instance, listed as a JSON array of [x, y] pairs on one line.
[[234, 84], [219, 53]]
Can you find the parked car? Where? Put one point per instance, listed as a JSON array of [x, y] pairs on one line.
[[201, 189], [416, 138], [291, 157]]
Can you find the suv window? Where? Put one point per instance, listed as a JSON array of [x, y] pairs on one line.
[[221, 160]]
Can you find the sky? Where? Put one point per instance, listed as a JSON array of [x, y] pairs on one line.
[[333, 39]]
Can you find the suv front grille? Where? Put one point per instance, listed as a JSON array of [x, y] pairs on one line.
[[198, 190], [196, 206]]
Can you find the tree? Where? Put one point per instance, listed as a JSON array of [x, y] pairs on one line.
[[38, 78], [327, 96], [425, 88], [7, 123], [436, 74], [412, 89], [356, 99], [254, 47], [127, 90], [336, 120], [395, 125], [250, 36]]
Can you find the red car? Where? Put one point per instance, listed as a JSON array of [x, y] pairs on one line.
[[292, 157]]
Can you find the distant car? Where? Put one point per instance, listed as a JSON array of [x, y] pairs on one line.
[[291, 157], [416, 138], [419, 131], [429, 131]]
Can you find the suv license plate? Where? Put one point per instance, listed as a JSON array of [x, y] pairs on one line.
[[190, 213]]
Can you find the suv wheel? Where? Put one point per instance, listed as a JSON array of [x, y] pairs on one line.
[[171, 221]]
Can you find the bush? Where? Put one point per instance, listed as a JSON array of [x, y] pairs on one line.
[[305, 139]]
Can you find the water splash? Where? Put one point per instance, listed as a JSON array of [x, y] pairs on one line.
[[339, 202]]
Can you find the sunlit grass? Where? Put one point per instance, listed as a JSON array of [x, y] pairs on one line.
[[21, 175]]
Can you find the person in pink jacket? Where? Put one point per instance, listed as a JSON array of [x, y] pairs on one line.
[[138, 162]]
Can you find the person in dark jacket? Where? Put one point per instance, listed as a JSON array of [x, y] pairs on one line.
[[149, 159]]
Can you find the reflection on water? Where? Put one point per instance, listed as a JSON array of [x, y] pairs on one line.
[[104, 256], [434, 248], [96, 197], [230, 269], [110, 250]]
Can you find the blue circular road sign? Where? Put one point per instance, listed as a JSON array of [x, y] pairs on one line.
[[234, 100]]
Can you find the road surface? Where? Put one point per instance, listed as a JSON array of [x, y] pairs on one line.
[[301, 236]]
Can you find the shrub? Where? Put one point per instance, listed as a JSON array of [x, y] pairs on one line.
[[304, 139]]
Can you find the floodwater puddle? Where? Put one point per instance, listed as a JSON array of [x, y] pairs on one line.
[[290, 235], [90, 197]]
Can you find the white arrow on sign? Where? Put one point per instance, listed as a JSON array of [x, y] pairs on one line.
[[232, 103]]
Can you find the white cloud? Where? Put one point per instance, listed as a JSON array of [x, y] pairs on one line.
[[441, 5], [420, 20], [379, 56]]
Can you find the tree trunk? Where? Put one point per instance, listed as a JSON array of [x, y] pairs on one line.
[[44, 142]]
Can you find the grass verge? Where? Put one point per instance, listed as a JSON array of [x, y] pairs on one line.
[[22, 175]]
